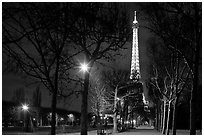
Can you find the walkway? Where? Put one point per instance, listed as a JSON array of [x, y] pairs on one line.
[[142, 130]]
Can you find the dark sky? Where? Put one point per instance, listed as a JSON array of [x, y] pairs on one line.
[[11, 82]]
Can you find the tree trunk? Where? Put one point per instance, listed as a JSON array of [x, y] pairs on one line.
[[54, 98], [164, 118], [98, 122], [126, 113], [57, 120], [132, 119], [136, 121], [157, 117], [168, 118], [98, 119], [115, 113], [174, 117], [115, 123], [161, 118], [192, 111], [84, 107], [41, 124], [54, 101], [156, 123], [177, 96], [195, 77], [37, 119]]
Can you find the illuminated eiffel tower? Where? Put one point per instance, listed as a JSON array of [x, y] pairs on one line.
[[135, 67]]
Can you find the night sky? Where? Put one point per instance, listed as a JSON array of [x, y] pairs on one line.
[[11, 82]]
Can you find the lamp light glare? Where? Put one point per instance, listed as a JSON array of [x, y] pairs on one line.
[[84, 67], [25, 107]]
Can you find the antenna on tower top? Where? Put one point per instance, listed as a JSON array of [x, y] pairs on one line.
[[135, 18]]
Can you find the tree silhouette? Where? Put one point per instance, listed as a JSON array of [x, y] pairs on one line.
[[34, 39], [179, 27], [98, 31], [171, 75], [43, 43]]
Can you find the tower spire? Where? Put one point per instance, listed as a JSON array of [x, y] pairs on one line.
[[135, 67], [135, 17]]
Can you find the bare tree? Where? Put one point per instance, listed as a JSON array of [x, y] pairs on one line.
[[166, 97], [114, 79], [154, 98], [34, 39], [170, 87], [98, 31], [183, 35], [99, 100], [174, 73]]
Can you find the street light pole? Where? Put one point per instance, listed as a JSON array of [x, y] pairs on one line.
[[86, 68], [83, 122], [25, 110]]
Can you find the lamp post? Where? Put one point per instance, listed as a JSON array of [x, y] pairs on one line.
[[25, 110], [84, 119], [71, 117]]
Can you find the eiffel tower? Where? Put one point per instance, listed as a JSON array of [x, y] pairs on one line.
[[135, 67], [132, 91], [135, 77]]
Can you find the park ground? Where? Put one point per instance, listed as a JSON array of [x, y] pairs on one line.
[[142, 130]]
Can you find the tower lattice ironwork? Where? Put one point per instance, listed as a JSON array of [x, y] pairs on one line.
[[135, 67]]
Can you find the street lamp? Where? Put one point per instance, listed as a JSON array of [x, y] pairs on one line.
[[71, 117], [25, 107], [84, 67]]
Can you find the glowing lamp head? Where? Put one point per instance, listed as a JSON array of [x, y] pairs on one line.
[[25, 107], [84, 67]]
